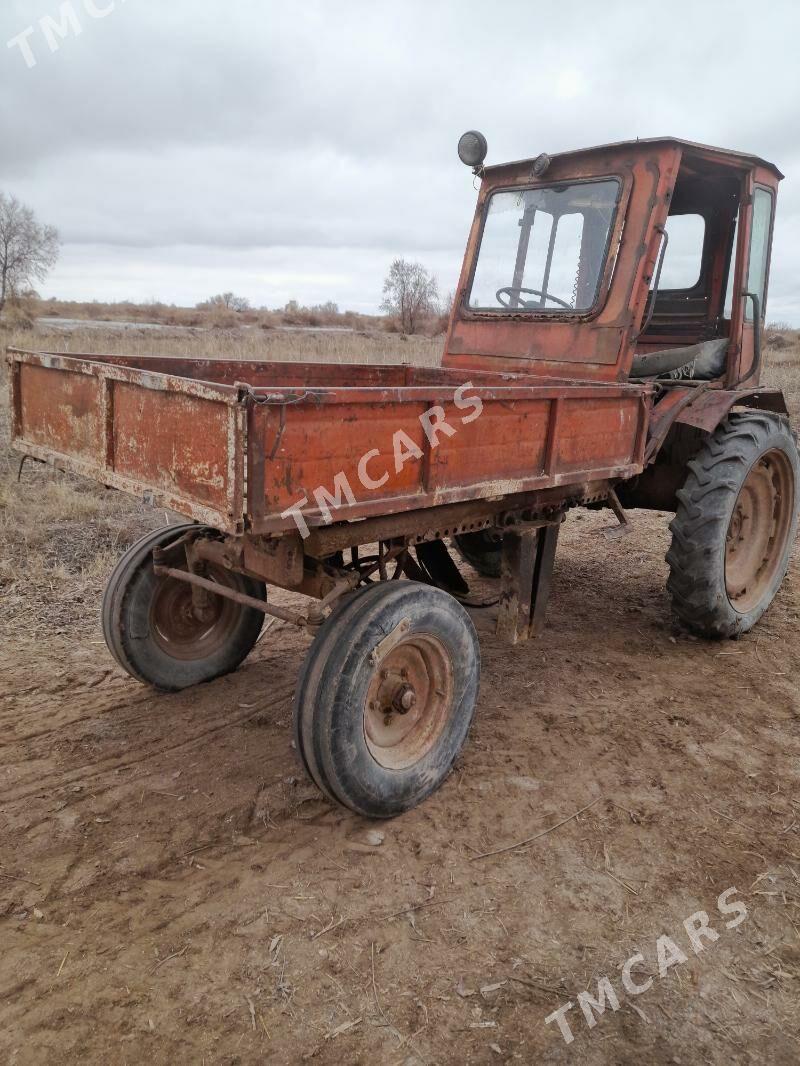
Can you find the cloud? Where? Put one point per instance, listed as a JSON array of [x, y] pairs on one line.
[[258, 132]]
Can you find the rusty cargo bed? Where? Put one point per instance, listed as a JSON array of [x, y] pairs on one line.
[[235, 444]]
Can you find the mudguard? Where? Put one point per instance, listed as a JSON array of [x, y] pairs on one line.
[[704, 408], [712, 406]]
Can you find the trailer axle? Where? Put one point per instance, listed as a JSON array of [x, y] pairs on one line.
[[238, 597]]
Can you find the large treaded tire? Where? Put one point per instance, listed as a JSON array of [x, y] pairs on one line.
[[138, 644], [384, 640], [731, 476]]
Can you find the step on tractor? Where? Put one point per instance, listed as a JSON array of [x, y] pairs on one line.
[[604, 350]]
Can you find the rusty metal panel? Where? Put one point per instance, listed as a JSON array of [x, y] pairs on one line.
[[316, 442], [258, 373], [176, 441], [61, 410], [600, 433], [172, 442], [507, 441], [526, 437], [711, 407]]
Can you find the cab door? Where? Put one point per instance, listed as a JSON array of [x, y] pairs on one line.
[[747, 286]]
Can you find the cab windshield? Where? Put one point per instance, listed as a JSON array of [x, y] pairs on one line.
[[544, 249]]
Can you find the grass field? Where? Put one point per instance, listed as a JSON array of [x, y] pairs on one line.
[[241, 343]]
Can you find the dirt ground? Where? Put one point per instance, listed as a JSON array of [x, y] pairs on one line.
[[172, 889]]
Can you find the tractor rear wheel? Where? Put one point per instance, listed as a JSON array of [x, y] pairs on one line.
[[154, 631], [735, 525], [386, 697]]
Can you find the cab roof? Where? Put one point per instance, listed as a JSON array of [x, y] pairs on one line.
[[747, 161]]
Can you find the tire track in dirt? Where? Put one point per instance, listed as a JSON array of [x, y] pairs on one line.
[[95, 771], [94, 710]]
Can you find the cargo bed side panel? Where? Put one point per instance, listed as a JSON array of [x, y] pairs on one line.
[[361, 455], [61, 411], [173, 440]]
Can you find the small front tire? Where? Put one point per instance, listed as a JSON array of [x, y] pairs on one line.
[[387, 697], [153, 632]]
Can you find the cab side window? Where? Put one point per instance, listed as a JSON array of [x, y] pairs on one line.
[[758, 256], [759, 250], [683, 259]]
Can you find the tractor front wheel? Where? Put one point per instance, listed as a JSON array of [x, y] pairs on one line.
[[735, 525]]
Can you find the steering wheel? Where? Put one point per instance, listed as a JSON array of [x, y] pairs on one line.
[[513, 294]]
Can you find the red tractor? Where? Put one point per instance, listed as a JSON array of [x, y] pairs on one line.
[[604, 350]]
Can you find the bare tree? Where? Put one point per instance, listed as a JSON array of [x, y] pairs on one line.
[[28, 251], [410, 292], [227, 301]]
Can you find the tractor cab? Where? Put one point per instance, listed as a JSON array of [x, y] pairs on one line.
[[644, 260], [709, 290]]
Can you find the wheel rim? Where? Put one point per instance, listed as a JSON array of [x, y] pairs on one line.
[[408, 702], [180, 630], [758, 530]]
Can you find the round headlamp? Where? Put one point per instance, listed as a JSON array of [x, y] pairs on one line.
[[472, 148]]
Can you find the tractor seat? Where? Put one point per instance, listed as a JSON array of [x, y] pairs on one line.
[[703, 362]]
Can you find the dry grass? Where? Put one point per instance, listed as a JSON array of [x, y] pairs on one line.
[[60, 535], [782, 366], [242, 343], [59, 539], [217, 316]]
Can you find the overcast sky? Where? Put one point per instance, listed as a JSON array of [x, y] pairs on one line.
[[292, 150]]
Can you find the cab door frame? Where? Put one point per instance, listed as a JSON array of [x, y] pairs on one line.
[[743, 352]]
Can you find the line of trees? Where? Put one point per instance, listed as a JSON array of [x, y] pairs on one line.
[[410, 296], [29, 251], [229, 301]]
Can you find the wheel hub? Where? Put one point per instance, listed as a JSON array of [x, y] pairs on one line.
[[408, 701], [758, 528], [404, 699], [185, 629]]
